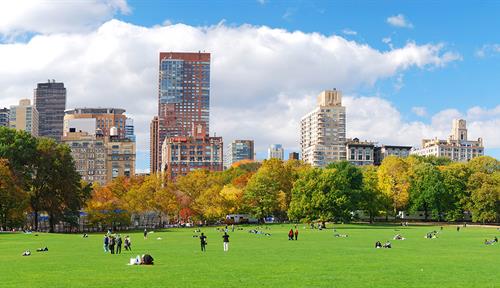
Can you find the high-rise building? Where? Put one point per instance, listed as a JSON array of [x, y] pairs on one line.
[[100, 158], [24, 117], [4, 117], [276, 151], [129, 129], [154, 163], [180, 155], [89, 153], [120, 156], [293, 156], [457, 147], [91, 119], [49, 100], [323, 131], [183, 96], [238, 150]]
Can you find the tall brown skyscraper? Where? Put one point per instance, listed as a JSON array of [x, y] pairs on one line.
[[183, 98], [153, 145], [49, 100]]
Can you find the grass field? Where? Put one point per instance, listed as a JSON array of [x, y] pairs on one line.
[[455, 259]]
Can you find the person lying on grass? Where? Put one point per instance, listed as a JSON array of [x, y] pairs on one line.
[[491, 242], [145, 259], [340, 235], [399, 237], [45, 249]]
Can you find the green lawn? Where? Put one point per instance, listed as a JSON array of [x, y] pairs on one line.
[[455, 259]]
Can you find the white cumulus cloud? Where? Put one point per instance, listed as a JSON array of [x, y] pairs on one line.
[[399, 21], [419, 111], [44, 16], [263, 80]]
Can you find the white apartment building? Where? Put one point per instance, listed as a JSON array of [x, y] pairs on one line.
[[24, 117], [457, 147], [323, 131], [276, 151]]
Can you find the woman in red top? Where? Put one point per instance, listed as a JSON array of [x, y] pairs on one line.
[[290, 234]]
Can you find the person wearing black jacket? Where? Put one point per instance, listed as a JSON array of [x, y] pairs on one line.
[[225, 240], [203, 242]]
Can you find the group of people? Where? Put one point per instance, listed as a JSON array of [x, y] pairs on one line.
[[255, 231], [291, 234], [28, 252], [431, 235], [113, 243], [225, 241]]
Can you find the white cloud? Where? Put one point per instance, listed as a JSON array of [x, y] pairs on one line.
[[262, 2], [348, 31], [419, 111], [376, 119], [399, 21], [43, 16], [263, 82], [488, 50]]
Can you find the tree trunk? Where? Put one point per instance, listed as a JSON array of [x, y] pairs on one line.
[[35, 220], [425, 212], [51, 223]]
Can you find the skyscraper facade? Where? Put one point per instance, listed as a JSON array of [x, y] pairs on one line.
[[238, 150], [180, 155], [24, 117], [50, 101], [4, 117], [129, 129], [276, 151], [183, 98], [154, 165], [323, 131]]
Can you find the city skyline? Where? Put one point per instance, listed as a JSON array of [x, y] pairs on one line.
[[410, 79]]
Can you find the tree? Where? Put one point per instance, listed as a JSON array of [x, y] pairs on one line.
[[56, 185], [12, 198], [427, 191], [265, 189], [393, 181], [326, 194], [106, 208], [455, 177], [372, 199], [485, 196], [20, 149]]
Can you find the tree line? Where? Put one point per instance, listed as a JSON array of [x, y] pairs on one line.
[[37, 175], [292, 190]]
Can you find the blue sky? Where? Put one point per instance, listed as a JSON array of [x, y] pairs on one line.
[[464, 26], [411, 66]]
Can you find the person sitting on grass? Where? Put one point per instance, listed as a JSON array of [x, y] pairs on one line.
[[26, 253], [378, 244], [45, 249], [387, 245], [85, 235], [399, 237]]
